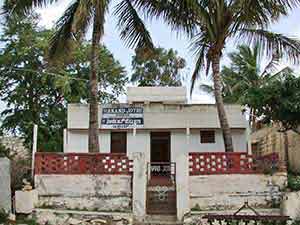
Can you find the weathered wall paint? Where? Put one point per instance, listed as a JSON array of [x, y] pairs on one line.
[[85, 192], [215, 192]]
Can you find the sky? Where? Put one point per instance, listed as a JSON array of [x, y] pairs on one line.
[[163, 37]]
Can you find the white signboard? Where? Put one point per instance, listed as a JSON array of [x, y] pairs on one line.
[[122, 117]]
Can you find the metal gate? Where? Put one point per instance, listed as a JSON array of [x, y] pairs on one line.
[[161, 188]]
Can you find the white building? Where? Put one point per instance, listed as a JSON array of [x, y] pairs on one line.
[[157, 155], [165, 124]]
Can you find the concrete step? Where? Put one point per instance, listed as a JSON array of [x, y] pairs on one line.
[[160, 220]]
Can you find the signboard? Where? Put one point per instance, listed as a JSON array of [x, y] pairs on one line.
[[122, 117]]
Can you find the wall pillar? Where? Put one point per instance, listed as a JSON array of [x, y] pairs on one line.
[[182, 184], [5, 193], [139, 186]]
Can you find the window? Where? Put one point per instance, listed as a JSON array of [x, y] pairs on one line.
[[207, 136], [118, 142]]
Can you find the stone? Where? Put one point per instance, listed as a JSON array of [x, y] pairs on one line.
[[290, 205], [5, 193], [73, 221], [26, 185], [25, 201]]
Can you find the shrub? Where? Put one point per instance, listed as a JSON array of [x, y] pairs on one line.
[[294, 182], [3, 216]]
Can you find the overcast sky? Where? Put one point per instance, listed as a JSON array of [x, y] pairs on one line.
[[162, 37]]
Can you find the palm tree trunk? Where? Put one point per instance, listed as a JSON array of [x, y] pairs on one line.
[[220, 104], [93, 99]]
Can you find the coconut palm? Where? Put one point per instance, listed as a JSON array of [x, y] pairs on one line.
[[72, 27], [245, 75], [212, 23]]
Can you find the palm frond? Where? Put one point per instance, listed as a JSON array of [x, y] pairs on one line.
[[270, 42], [22, 7], [64, 34], [198, 66], [180, 15], [133, 30], [271, 66], [286, 71], [260, 13]]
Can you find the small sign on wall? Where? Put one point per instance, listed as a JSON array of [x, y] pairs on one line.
[[123, 117]]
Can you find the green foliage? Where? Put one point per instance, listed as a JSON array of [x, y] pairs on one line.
[[279, 101], [4, 152], [159, 67], [296, 222], [294, 182], [37, 92], [3, 216]]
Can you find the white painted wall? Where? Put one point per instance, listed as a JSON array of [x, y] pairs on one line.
[[139, 143], [85, 192], [78, 142], [166, 116], [222, 192], [194, 145]]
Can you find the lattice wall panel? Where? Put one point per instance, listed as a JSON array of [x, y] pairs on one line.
[[77, 163], [219, 163]]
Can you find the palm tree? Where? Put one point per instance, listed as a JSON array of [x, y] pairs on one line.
[[72, 27], [218, 21], [245, 74]]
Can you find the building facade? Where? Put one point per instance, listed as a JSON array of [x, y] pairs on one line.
[[157, 155], [164, 117]]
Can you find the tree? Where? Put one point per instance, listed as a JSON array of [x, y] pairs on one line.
[[245, 74], [160, 67], [279, 102], [211, 24], [72, 27], [37, 94]]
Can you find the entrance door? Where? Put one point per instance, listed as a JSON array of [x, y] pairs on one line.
[[161, 187], [160, 147]]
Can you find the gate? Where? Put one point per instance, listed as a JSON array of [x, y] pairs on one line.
[[161, 188]]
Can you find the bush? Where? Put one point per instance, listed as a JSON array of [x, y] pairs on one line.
[[294, 182], [20, 169], [3, 216], [4, 152]]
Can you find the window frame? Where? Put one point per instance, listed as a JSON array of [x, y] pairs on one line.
[[206, 138]]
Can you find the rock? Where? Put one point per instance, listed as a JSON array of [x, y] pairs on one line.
[[73, 221], [98, 221]]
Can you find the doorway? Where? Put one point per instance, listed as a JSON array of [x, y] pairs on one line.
[[160, 147], [161, 186]]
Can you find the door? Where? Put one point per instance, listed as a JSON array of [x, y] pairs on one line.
[[160, 147], [161, 187]]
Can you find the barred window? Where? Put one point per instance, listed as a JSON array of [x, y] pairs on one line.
[[207, 136]]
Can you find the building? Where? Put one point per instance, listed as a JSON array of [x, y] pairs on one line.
[[158, 155], [268, 140], [163, 124]]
